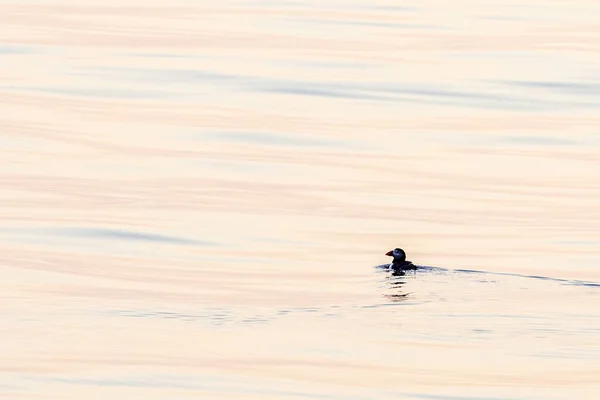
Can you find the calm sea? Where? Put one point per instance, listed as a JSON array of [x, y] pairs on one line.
[[194, 196]]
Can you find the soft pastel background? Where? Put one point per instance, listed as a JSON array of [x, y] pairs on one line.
[[193, 195]]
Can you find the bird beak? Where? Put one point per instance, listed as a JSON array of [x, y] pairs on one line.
[[389, 253]]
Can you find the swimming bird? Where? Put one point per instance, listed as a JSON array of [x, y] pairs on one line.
[[399, 263]]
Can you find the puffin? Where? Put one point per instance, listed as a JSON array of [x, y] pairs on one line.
[[399, 263]]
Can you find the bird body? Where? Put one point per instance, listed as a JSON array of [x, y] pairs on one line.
[[399, 263]]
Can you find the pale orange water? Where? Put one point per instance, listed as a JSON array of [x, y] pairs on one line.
[[194, 194]]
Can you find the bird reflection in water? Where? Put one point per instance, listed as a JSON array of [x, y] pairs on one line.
[[395, 281]]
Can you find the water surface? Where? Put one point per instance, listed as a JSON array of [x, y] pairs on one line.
[[194, 196]]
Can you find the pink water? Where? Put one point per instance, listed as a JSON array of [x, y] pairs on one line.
[[194, 195]]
